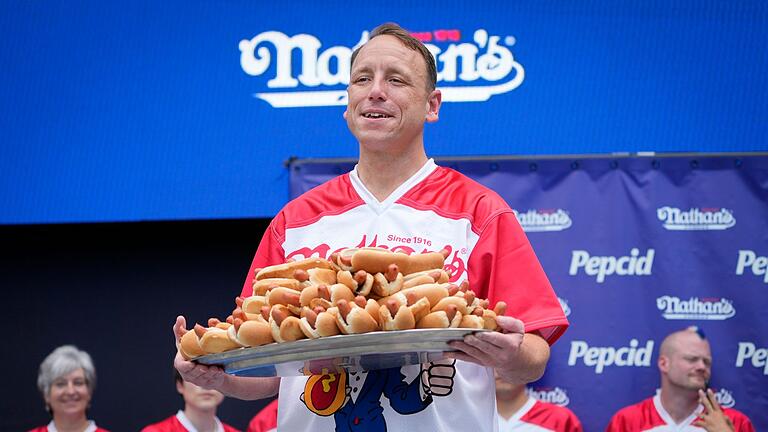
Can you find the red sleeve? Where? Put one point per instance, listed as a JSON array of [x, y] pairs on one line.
[[270, 252], [39, 429], [503, 267], [741, 422], [618, 423], [572, 424], [265, 420]]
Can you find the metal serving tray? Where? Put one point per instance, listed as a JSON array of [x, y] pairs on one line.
[[354, 353]]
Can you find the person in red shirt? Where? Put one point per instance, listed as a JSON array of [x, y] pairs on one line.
[[265, 420], [67, 379], [199, 413], [685, 403], [519, 412]]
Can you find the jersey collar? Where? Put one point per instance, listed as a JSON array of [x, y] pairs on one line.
[[380, 206]]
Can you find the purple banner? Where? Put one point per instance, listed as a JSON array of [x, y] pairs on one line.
[[637, 247]]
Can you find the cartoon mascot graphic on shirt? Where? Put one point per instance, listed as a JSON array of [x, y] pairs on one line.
[[331, 394]]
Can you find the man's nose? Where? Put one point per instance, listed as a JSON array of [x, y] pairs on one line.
[[377, 90]]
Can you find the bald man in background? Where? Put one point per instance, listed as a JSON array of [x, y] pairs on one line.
[[685, 403]]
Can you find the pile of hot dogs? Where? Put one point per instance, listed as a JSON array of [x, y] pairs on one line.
[[358, 290]]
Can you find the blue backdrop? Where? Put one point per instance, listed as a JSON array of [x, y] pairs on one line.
[[636, 248], [125, 111]]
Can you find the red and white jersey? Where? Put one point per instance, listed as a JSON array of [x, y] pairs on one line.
[[51, 427], [437, 208], [537, 416], [265, 420], [181, 423], [650, 415]]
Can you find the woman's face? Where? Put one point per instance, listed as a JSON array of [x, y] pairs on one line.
[[69, 394]]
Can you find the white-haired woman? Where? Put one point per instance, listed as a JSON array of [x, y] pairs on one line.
[[67, 379]]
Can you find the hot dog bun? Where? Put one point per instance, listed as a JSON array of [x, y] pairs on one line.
[[377, 260], [189, 346], [288, 270]]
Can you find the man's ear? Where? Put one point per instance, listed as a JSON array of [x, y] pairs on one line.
[[344, 115], [180, 387], [434, 101], [663, 363]]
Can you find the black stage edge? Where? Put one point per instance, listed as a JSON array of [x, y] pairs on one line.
[[114, 290]]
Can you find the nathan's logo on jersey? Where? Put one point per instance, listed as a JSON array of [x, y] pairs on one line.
[[602, 357], [725, 398], [758, 357], [455, 264], [543, 220], [695, 219], [555, 395], [758, 265], [478, 58], [564, 305], [633, 264], [694, 308]]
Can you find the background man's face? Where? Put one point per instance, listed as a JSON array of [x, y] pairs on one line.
[[199, 398], [689, 366], [388, 97]]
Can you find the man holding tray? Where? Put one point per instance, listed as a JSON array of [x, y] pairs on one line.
[[395, 192]]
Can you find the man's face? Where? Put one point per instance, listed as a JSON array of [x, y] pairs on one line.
[[199, 398], [388, 97], [689, 365]]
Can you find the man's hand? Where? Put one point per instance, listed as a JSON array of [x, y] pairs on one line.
[[207, 377], [492, 349], [517, 357], [713, 419]]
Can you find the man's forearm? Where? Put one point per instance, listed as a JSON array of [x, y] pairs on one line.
[[248, 388], [530, 362]]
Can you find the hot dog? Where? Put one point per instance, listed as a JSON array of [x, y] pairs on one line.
[[377, 260], [315, 323], [450, 317], [189, 346], [288, 270], [360, 282], [214, 339], [260, 287], [402, 317], [353, 318], [285, 327], [250, 330], [388, 283]]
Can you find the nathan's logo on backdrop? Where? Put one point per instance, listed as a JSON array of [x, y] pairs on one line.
[[551, 395], [633, 264], [564, 305], [725, 398], [469, 69], [757, 264], [543, 220], [695, 219], [757, 356], [601, 357], [694, 308]]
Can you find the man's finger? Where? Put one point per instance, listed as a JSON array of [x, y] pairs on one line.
[[510, 325], [179, 328], [713, 400], [704, 400]]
